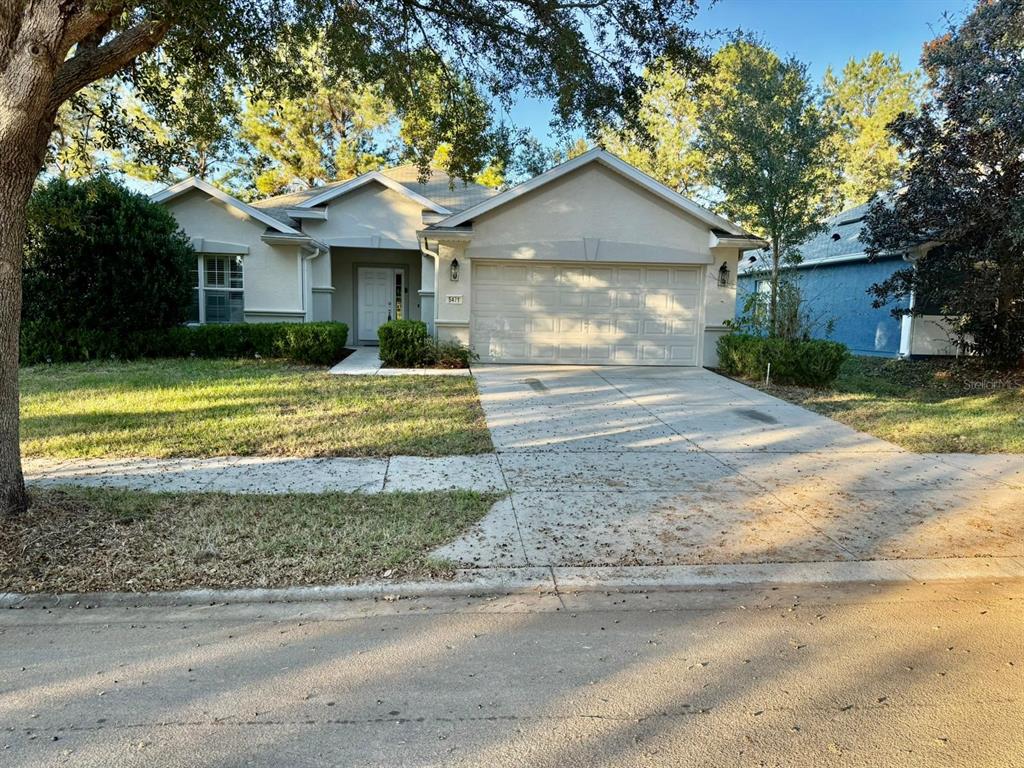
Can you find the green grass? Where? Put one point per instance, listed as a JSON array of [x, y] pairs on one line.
[[83, 540], [928, 406], [166, 408]]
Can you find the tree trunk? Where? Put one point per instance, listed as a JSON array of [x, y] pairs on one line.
[[773, 300], [18, 168]]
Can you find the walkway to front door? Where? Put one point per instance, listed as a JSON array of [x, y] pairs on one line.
[[380, 299]]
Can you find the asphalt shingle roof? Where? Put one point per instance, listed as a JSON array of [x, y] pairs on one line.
[[455, 195], [839, 241]]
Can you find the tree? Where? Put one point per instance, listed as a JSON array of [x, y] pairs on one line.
[[335, 129], [103, 266], [190, 131], [862, 102], [663, 143], [584, 56], [768, 149], [963, 187]]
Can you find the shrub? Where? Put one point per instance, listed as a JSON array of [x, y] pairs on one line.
[[451, 354], [309, 343], [403, 343], [103, 268], [811, 363], [407, 344]]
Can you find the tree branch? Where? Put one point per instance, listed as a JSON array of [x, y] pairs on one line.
[[102, 61]]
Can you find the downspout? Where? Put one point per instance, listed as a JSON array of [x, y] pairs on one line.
[[425, 250], [306, 254]]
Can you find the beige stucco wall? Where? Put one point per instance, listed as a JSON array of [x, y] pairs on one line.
[[370, 217], [931, 336], [271, 273], [344, 264], [592, 214], [719, 301]]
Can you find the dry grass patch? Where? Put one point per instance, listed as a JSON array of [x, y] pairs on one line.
[[203, 408], [85, 540]]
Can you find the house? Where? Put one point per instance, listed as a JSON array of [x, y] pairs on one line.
[[834, 276], [591, 262]]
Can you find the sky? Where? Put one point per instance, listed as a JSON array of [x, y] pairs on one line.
[[818, 32]]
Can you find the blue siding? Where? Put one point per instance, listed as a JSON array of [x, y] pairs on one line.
[[839, 292]]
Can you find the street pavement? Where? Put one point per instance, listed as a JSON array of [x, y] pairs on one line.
[[868, 675]]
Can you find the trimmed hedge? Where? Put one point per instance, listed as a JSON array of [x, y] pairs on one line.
[[811, 363], [403, 343], [407, 344], [310, 343]]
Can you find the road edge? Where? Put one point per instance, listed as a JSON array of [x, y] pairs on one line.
[[534, 579]]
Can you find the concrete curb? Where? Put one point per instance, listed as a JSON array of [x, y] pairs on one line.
[[554, 580]]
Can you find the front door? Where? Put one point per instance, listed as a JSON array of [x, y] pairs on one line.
[[380, 298]]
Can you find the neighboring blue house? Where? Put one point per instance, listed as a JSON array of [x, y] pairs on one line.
[[834, 278]]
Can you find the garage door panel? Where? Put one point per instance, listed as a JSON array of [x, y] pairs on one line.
[[571, 313]]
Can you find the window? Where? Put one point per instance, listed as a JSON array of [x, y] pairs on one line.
[[218, 296]]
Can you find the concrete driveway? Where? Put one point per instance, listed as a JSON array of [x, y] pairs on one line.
[[654, 466]]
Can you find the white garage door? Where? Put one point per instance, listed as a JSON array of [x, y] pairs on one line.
[[611, 314]]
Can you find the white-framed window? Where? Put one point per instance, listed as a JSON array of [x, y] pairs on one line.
[[218, 295]]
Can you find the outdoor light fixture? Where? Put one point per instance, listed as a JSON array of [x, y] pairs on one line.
[[454, 270], [723, 275]]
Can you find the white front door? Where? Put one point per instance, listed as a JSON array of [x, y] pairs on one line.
[[380, 299]]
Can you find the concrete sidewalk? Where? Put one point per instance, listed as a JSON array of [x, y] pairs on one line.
[[261, 474], [365, 361]]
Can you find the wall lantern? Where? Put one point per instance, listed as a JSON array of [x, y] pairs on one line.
[[723, 276], [454, 270]]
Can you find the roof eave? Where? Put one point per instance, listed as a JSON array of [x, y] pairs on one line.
[[176, 190]]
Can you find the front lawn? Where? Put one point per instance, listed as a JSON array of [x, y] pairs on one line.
[[83, 540], [928, 406], [201, 408]]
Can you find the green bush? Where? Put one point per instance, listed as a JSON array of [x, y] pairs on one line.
[[103, 269], [407, 344], [811, 363], [309, 343], [450, 354], [403, 343]]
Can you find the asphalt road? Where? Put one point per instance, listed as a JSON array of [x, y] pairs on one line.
[[790, 676]]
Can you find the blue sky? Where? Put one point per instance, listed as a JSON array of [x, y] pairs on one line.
[[818, 32]]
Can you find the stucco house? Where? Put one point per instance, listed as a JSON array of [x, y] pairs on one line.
[[834, 276], [591, 262]]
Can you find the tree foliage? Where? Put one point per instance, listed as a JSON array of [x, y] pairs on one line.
[[963, 186], [662, 141], [336, 128], [768, 149], [102, 264], [862, 101]]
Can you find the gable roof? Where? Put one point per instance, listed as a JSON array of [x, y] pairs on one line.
[[440, 193], [192, 182], [605, 158]]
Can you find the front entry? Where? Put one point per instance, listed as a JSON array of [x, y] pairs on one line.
[[381, 297]]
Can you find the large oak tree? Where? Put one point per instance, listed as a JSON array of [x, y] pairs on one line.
[[586, 56]]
